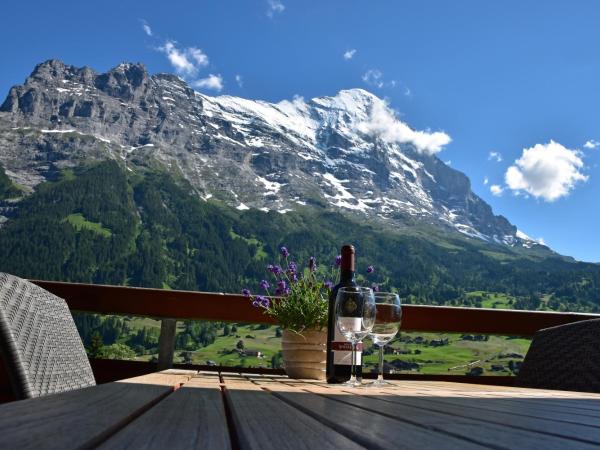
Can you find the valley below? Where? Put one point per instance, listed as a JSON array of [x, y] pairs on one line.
[[133, 179]]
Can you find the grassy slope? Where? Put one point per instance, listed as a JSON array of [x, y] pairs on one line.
[[184, 243], [79, 222], [432, 360]]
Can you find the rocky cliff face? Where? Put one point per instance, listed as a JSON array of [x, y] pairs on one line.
[[328, 151]]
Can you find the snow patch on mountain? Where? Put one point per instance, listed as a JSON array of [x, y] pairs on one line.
[[349, 151]]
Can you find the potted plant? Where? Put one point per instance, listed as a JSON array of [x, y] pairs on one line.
[[300, 308]]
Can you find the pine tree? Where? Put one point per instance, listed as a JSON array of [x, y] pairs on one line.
[[96, 345]]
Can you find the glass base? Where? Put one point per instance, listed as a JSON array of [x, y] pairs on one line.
[[379, 383], [353, 383]]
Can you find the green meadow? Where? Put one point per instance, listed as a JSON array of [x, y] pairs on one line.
[[457, 357]]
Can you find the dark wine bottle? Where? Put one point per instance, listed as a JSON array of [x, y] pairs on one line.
[[339, 349]]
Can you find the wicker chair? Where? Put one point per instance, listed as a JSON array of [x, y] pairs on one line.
[[39, 343], [565, 357]]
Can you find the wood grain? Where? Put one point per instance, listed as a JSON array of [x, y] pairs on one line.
[[156, 302], [368, 429], [191, 418], [166, 343], [262, 421], [468, 420], [169, 377], [274, 412], [236, 308], [75, 419]]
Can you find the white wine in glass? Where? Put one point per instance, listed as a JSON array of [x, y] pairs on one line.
[[355, 316], [387, 324]]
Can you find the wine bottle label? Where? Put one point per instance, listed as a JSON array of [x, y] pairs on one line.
[[342, 349]]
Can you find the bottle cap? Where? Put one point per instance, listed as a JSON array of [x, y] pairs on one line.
[[348, 253]]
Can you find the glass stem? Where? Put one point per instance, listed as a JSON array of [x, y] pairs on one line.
[[353, 370], [358, 377], [380, 375]]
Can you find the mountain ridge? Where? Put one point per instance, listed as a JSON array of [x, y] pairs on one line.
[[325, 152]]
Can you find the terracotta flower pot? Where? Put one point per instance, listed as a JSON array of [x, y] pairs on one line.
[[305, 355]]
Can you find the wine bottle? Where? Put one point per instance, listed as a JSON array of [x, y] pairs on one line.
[[339, 349]]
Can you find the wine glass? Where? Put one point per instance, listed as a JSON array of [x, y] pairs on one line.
[[355, 316], [387, 323]]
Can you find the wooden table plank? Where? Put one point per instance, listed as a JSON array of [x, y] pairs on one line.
[[371, 429], [570, 403], [481, 389], [549, 405], [169, 377], [262, 421], [153, 411], [522, 407], [434, 399], [75, 419], [477, 428], [191, 418]]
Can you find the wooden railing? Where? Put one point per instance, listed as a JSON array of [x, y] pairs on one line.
[[185, 305]]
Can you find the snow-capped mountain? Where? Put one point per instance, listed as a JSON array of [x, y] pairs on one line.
[[348, 151]]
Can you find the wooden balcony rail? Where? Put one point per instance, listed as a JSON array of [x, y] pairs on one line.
[[186, 305]]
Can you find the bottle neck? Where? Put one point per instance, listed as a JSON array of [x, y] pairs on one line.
[[347, 276], [347, 265]]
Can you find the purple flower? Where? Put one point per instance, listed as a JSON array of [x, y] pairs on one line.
[[261, 300], [294, 277], [277, 270], [270, 268], [284, 252], [246, 292], [338, 260], [370, 269], [312, 264], [282, 288], [328, 284], [256, 303], [292, 267], [264, 284]]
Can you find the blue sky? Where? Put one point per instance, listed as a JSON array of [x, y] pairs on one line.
[[502, 78]]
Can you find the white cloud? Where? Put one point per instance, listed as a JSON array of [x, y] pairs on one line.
[[495, 156], [349, 54], [239, 80], [384, 123], [486, 180], [198, 56], [549, 171], [275, 7], [185, 61], [496, 190], [407, 91], [147, 28], [591, 144], [373, 77], [213, 82]]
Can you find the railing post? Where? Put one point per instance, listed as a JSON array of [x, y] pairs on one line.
[[166, 343]]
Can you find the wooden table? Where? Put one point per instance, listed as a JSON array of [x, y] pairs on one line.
[[185, 409]]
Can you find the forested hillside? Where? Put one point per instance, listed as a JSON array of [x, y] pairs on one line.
[[104, 224]]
